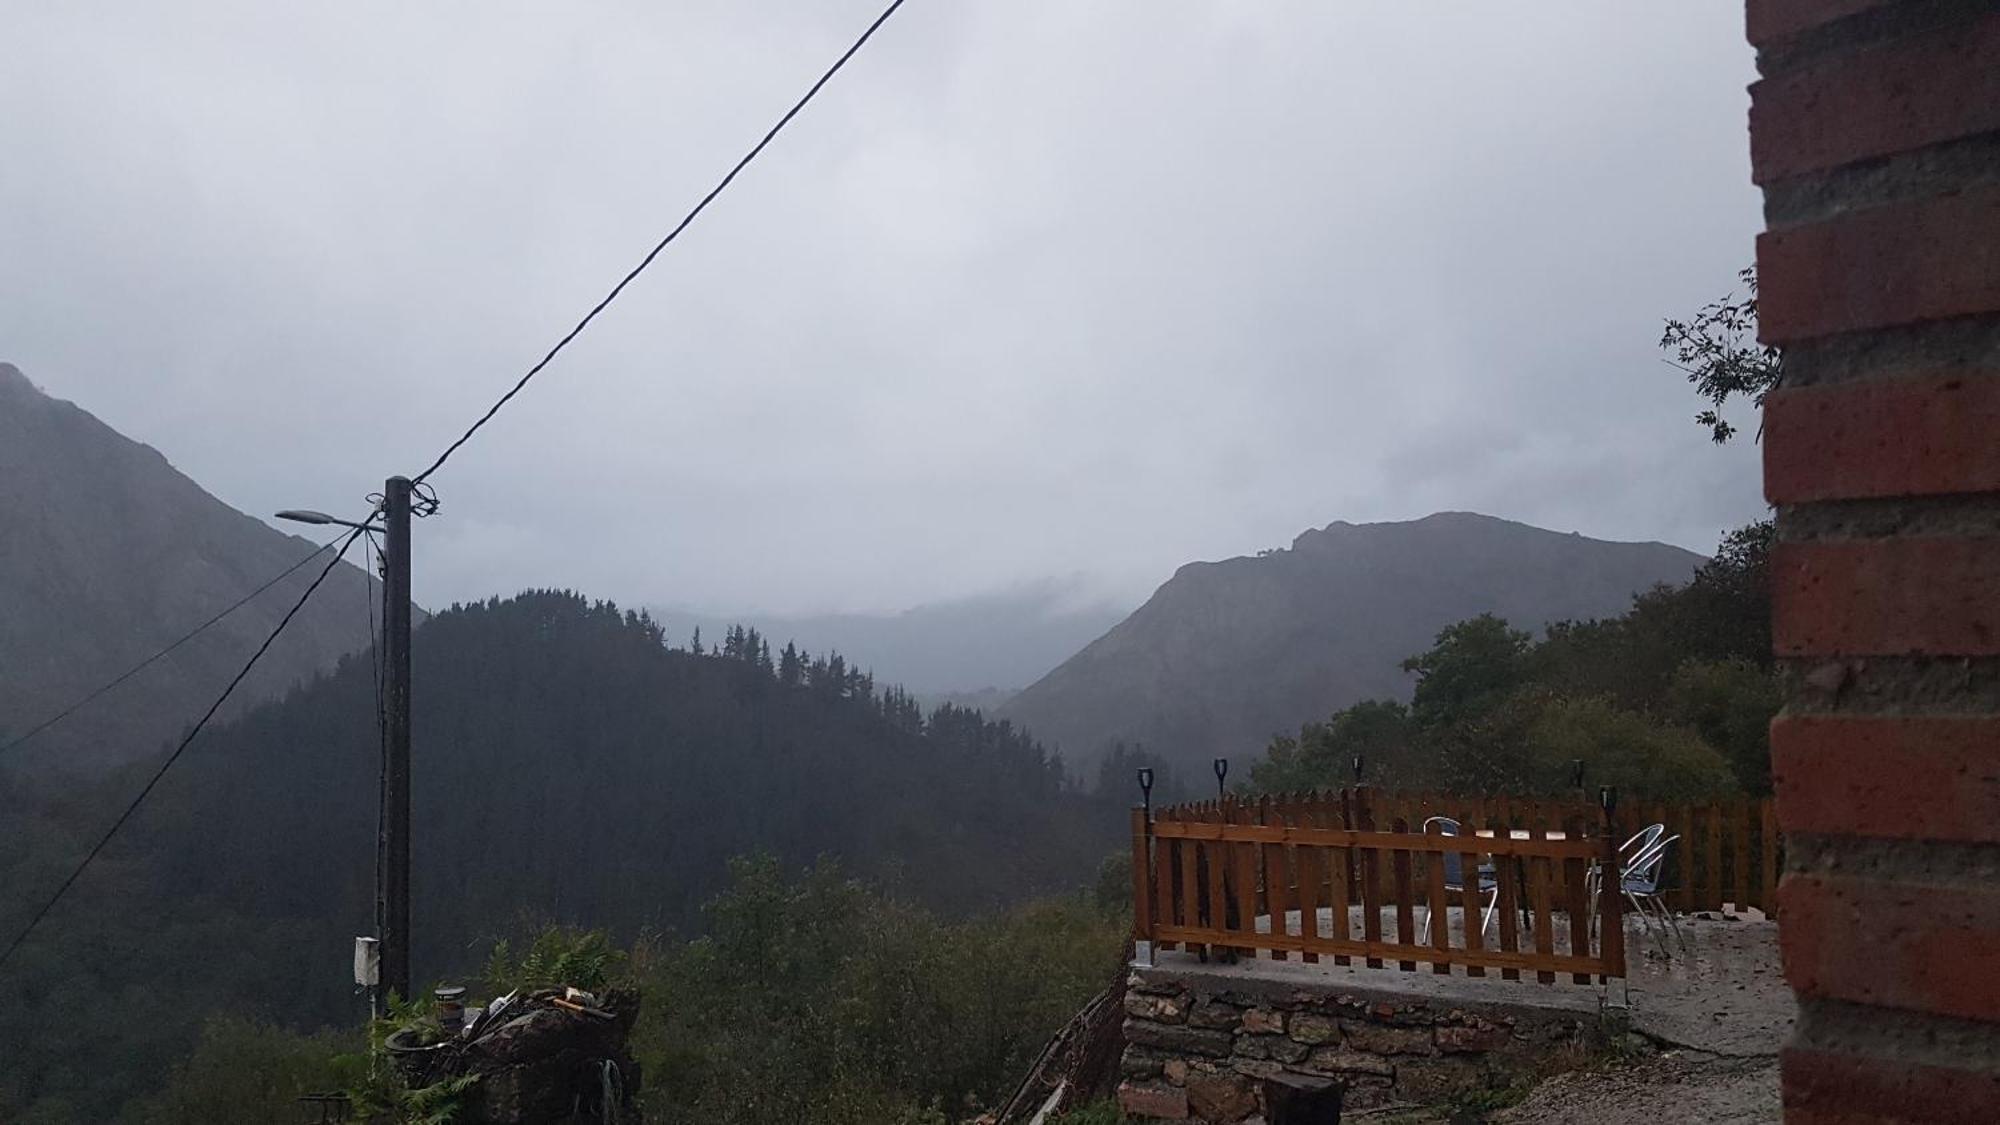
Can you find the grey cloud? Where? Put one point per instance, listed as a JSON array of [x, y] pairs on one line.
[[1035, 288]]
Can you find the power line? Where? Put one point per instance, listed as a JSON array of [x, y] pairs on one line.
[[178, 750], [662, 244], [144, 664]]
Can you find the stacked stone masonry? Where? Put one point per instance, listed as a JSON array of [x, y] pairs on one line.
[[1875, 135], [1201, 1051]]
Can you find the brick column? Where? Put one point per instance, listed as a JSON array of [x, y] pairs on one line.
[[1875, 134]]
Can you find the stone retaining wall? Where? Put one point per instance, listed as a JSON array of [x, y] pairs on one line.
[[1199, 1045]]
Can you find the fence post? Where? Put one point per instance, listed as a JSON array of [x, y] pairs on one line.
[[1610, 889], [1142, 880]]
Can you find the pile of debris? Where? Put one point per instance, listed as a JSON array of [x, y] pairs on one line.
[[554, 1055]]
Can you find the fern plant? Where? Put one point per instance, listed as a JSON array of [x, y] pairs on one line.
[[577, 958]]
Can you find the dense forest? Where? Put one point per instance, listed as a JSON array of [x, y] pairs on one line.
[[570, 766], [1671, 699]]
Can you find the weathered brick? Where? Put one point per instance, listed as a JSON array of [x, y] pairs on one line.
[[1886, 597], [1897, 437], [1893, 944], [1918, 91], [1899, 777], [1897, 264], [1825, 1087], [1770, 20], [1152, 1099]]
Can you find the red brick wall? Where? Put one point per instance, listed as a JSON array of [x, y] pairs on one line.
[[1875, 134]]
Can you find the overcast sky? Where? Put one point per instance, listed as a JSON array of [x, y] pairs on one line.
[[1041, 287]]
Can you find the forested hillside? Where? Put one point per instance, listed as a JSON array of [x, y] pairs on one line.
[[1225, 654], [570, 765], [1671, 699]]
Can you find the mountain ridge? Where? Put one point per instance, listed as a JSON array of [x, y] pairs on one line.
[[112, 554], [1228, 652]]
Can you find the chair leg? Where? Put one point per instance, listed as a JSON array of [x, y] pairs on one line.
[[1661, 905], [1646, 922]]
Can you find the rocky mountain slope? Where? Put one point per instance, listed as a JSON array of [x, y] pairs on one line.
[[109, 553], [1227, 653]]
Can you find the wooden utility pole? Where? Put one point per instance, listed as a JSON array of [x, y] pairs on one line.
[[393, 905]]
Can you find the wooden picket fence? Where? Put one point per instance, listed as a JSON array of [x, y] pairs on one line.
[[1728, 855], [1345, 874]]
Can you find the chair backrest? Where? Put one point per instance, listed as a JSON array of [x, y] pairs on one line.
[[1454, 871], [1642, 873], [1643, 839]]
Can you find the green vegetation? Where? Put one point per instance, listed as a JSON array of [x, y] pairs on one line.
[[811, 998], [1670, 700], [571, 766]]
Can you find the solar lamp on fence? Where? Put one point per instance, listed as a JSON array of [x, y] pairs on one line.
[[1221, 772], [1146, 788]]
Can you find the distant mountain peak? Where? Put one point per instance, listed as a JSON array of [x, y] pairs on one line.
[[1225, 654]]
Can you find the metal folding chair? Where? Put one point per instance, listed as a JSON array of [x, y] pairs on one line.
[[1640, 884], [1454, 878]]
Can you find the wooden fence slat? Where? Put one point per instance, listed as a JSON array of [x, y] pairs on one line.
[[1369, 862], [1470, 904], [1142, 911], [1712, 841], [1406, 895], [1244, 874], [1311, 874], [1506, 870], [1340, 868], [1166, 856], [1217, 856], [1277, 882], [1437, 909], [1538, 883], [1576, 875]]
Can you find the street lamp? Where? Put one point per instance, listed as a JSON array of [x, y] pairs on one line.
[[392, 893], [297, 515]]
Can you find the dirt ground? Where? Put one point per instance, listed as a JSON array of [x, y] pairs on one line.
[[1706, 1027], [1716, 1014]]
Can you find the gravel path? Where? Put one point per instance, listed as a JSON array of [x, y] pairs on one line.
[[1671, 1087]]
